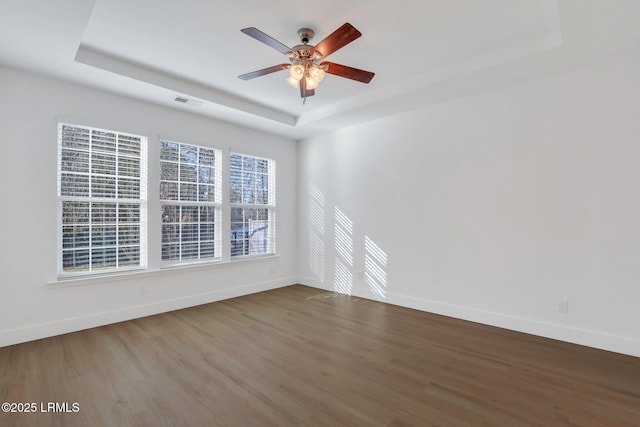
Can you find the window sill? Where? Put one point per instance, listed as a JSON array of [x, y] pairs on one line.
[[65, 282]]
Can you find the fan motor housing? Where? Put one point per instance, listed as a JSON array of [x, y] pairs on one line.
[[302, 50], [301, 53]]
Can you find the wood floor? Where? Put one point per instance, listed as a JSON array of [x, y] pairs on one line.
[[300, 356]]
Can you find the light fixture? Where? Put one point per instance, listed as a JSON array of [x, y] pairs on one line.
[[306, 68], [311, 83], [316, 73], [306, 64], [293, 82], [296, 72]]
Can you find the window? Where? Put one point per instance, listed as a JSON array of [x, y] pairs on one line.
[[101, 200], [190, 196], [252, 196]]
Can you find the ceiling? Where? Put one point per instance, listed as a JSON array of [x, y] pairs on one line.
[[422, 51]]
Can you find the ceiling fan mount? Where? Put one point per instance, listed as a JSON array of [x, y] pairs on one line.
[[301, 51], [307, 68], [305, 35]]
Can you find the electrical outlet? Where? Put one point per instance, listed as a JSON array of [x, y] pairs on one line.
[[563, 307]]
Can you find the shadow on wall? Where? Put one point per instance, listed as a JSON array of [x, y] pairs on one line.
[[365, 262]]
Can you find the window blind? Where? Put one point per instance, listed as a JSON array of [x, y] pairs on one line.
[[101, 200], [253, 205], [190, 191]]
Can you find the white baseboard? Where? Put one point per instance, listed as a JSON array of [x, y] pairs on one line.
[[63, 326], [595, 339]]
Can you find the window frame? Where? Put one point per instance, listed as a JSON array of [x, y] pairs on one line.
[[96, 158], [148, 258], [269, 205], [216, 204]]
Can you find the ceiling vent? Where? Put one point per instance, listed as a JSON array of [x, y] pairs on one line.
[[187, 101]]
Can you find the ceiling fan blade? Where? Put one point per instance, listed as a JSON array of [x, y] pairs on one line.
[[268, 40], [349, 72], [334, 41], [304, 92], [264, 71]]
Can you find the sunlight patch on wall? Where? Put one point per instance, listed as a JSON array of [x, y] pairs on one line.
[[316, 255], [343, 230], [344, 236], [375, 265], [316, 209], [316, 232], [343, 278]]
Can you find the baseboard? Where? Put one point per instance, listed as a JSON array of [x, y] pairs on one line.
[[63, 326], [589, 338]]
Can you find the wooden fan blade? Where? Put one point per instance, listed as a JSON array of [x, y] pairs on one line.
[[304, 92], [334, 41], [268, 40], [264, 71], [349, 72]]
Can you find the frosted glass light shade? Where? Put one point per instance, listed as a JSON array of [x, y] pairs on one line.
[[293, 82], [311, 83], [296, 72], [316, 74]]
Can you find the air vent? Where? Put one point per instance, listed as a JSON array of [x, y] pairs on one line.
[[189, 101]]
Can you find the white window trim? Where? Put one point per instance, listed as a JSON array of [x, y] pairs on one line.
[[151, 264], [95, 279], [216, 204], [270, 206], [142, 201]]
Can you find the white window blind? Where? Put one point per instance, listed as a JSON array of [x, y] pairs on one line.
[[101, 200], [253, 205], [191, 197]]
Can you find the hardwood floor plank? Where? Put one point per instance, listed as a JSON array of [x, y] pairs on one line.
[[299, 356]]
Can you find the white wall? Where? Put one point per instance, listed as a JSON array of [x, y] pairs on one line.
[[30, 307], [492, 208]]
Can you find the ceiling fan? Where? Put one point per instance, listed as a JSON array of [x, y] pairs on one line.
[[307, 65]]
